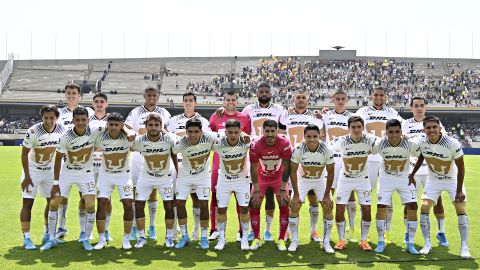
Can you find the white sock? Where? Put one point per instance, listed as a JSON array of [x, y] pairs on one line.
[[134, 224], [101, 237], [221, 229], [169, 233], [244, 226], [45, 228], [268, 222], [196, 216], [82, 214], [313, 218], [52, 223], [380, 230], [175, 218], [293, 224], [107, 221], [26, 235], [327, 229], [205, 232], [341, 230], [142, 233], [388, 224], [463, 228], [183, 228], [351, 213], [405, 222], [441, 225], [425, 226], [152, 210], [90, 222], [62, 215], [412, 230], [365, 229]]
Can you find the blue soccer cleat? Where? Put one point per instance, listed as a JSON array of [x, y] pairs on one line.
[[108, 237], [380, 247], [133, 234], [81, 237], [251, 236], [405, 239], [184, 241], [204, 243], [61, 232], [442, 239], [45, 238], [411, 249], [28, 244], [49, 245], [86, 245], [152, 232], [267, 236]]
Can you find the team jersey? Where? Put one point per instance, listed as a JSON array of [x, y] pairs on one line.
[[232, 160], [336, 125], [270, 158], [258, 115], [94, 122], [177, 123], [312, 163], [396, 159], [66, 116], [296, 123], [136, 118], [375, 122], [441, 156], [156, 155], [218, 124], [354, 155], [78, 151], [195, 163], [42, 145], [115, 152]]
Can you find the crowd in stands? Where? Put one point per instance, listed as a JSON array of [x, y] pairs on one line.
[[466, 133], [13, 124]]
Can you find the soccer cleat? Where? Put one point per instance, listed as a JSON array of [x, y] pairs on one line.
[[244, 244], [86, 245], [49, 245], [411, 249], [251, 236], [101, 244], [314, 237], [221, 244], [293, 246], [142, 241], [426, 249], [204, 243], [133, 234], [28, 244], [184, 241], [365, 246], [239, 237], [328, 248], [349, 234], [108, 237], [267, 236], [45, 238], [61, 232], [380, 247], [169, 242], [442, 239], [81, 237], [126, 243], [340, 245], [214, 235], [464, 252], [405, 239], [195, 233], [152, 233], [255, 244], [60, 241], [91, 236], [281, 245]]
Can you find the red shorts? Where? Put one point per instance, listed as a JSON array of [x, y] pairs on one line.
[[274, 183]]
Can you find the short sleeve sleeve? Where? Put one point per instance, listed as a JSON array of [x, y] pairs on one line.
[[296, 155], [457, 149], [28, 141]]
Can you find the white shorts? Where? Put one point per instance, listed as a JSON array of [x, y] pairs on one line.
[[386, 188], [338, 167], [42, 183], [84, 182], [136, 163], [224, 191], [146, 185], [318, 186], [108, 181], [201, 187], [373, 168], [421, 181], [97, 161], [434, 188], [360, 186]]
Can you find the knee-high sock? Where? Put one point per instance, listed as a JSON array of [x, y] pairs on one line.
[[425, 226], [255, 220], [327, 229], [293, 224], [351, 213], [62, 215], [213, 212], [341, 230], [283, 218], [82, 218], [388, 224], [152, 210], [313, 218], [196, 219], [412, 230], [365, 229], [89, 223], [381, 230], [52, 224], [463, 228]]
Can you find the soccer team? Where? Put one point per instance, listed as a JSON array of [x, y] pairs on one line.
[[264, 152]]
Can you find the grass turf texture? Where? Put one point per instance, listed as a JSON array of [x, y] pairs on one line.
[[154, 255]]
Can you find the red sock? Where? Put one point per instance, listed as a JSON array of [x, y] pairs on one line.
[[213, 212], [255, 220], [283, 221]]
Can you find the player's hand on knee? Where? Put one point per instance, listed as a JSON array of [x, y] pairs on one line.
[[327, 202], [284, 198], [295, 203], [55, 191], [255, 199], [27, 181], [460, 197]]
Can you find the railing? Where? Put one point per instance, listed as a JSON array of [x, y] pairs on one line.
[[5, 73]]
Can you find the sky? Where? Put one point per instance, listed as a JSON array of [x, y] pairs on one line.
[[55, 29]]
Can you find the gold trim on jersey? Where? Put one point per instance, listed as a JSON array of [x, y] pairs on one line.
[[296, 134], [312, 171], [395, 165], [377, 127], [439, 166], [156, 162], [234, 167], [44, 155], [355, 165], [335, 132], [258, 126], [115, 161], [198, 163], [80, 157]]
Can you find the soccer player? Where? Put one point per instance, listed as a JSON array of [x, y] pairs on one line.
[[76, 146], [307, 164], [136, 122], [38, 148], [270, 168], [413, 127], [293, 123], [446, 172], [155, 147], [233, 152], [354, 148], [217, 124], [195, 148], [395, 151], [177, 125], [114, 173], [375, 117]]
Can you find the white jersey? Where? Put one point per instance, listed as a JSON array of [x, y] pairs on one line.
[[136, 118], [115, 152], [78, 150], [233, 160], [312, 163], [66, 116], [336, 125], [195, 162], [177, 123], [375, 122], [258, 115], [94, 122], [354, 155], [156, 155], [441, 157], [395, 163], [42, 146], [296, 123]]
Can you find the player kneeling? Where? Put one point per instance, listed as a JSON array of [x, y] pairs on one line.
[[233, 150], [313, 155], [155, 147]]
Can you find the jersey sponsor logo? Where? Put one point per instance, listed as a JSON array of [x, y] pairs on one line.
[[233, 156], [395, 165], [264, 114], [198, 162], [75, 147], [356, 153], [340, 124], [312, 171], [234, 167], [439, 166], [115, 161], [44, 155], [156, 162], [355, 165], [80, 157], [433, 154], [153, 151], [299, 123], [113, 149], [270, 157], [380, 118], [48, 143]]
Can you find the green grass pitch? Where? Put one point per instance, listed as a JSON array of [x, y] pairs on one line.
[[155, 255]]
